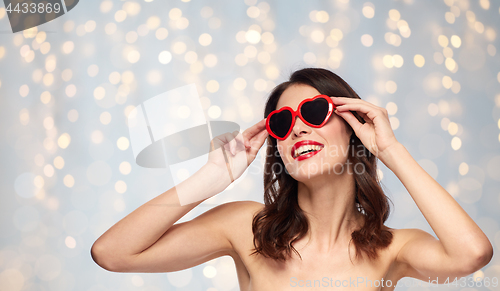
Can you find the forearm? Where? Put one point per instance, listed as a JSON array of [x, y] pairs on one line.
[[458, 233], [145, 225]]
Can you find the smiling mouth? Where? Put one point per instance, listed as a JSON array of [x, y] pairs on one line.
[[305, 149]]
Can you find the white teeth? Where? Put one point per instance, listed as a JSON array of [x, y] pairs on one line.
[[306, 148]]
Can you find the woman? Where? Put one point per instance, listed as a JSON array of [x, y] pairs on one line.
[[322, 224]]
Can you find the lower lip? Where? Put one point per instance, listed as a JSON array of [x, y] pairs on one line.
[[308, 155]]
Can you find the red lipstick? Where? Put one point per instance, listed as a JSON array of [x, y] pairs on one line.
[[308, 155]]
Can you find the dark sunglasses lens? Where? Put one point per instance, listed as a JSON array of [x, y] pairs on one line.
[[315, 111], [280, 123]]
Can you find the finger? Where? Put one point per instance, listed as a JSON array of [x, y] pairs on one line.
[[232, 142], [338, 101], [255, 129], [370, 112], [257, 144], [350, 118]]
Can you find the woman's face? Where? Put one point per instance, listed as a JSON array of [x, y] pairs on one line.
[[328, 145]]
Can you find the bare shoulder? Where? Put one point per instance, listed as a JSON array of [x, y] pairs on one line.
[[404, 235]]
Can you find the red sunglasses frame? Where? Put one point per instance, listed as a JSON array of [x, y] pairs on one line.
[[297, 112]]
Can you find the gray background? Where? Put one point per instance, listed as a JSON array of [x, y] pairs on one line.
[[50, 216]]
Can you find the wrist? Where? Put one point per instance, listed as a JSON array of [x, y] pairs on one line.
[[392, 153]]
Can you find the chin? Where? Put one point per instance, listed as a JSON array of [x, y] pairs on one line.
[[315, 167]]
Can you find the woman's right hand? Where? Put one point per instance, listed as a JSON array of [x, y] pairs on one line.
[[240, 149]]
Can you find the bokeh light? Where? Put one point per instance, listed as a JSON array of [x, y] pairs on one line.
[[68, 86]]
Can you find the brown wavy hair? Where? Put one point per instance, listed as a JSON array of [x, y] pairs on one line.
[[282, 222]]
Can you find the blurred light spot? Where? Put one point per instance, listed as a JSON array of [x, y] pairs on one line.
[[394, 122], [241, 59], [137, 281], [479, 27], [463, 169], [97, 136], [70, 90], [485, 4], [153, 22], [99, 93], [180, 278], [165, 57], [336, 34], [214, 112], [106, 6], [68, 47], [133, 56], [110, 28], [267, 38], [450, 17], [67, 74], [367, 40], [452, 128], [58, 162], [456, 143], [48, 79], [69, 181], [179, 47], [309, 58], [73, 115], [239, 84], [490, 34], [24, 90], [443, 41], [391, 87], [125, 168], [48, 170], [264, 58], [153, 77], [492, 50], [456, 41], [392, 108], [250, 51], [433, 109], [190, 57], [447, 52], [205, 39], [272, 72], [70, 242], [212, 86], [447, 82], [368, 10], [64, 140], [12, 280], [122, 143], [252, 36], [24, 116], [450, 64], [419, 60], [394, 15], [209, 271], [90, 25], [120, 187], [120, 15], [253, 12]]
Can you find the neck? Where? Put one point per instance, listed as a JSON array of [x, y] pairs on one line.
[[331, 209]]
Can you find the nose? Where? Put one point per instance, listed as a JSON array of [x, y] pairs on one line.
[[300, 128]]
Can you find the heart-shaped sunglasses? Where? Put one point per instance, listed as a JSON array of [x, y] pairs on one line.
[[314, 112]]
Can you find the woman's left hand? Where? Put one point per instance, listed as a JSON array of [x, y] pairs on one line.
[[376, 133]]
